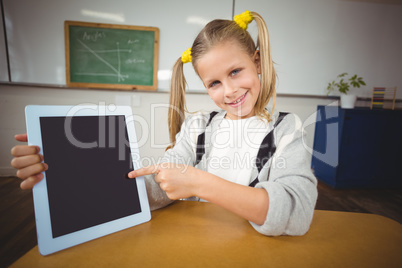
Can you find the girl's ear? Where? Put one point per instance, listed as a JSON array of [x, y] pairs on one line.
[[257, 61]]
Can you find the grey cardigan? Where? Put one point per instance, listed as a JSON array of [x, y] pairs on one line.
[[291, 186]]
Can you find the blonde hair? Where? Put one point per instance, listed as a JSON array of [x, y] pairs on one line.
[[214, 33]]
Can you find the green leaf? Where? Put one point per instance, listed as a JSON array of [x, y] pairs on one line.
[[342, 75], [344, 84]]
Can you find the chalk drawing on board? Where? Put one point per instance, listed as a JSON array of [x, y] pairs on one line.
[[111, 56], [116, 72]]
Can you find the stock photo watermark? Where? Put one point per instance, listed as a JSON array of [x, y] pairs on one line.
[[113, 133]]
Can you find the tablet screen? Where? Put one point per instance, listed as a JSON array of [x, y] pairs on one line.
[[88, 158]]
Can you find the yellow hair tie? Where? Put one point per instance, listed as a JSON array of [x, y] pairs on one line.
[[186, 56], [243, 19]]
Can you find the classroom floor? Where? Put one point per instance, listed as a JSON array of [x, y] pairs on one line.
[[17, 222]]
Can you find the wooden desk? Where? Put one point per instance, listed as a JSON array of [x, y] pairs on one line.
[[195, 234]]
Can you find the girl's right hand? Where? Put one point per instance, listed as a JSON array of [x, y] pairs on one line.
[[28, 162]]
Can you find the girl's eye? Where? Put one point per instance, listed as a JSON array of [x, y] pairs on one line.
[[213, 84], [234, 72]]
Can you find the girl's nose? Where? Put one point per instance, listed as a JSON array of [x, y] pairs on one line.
[[230, 90]]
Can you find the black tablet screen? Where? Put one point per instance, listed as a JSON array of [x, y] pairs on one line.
[[88, 158]]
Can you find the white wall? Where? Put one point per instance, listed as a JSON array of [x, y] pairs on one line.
[[35, 31], [313, 41]]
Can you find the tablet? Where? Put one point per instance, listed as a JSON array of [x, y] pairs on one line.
[[85, 193]]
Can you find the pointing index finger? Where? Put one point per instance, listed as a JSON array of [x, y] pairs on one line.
[[143, 171]]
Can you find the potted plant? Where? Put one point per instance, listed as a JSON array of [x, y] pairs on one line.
[[343, 85]]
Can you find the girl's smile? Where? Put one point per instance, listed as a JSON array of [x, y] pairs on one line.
[[230, 76], [239, 101]]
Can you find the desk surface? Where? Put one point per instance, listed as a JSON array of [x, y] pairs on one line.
[[203, 234]]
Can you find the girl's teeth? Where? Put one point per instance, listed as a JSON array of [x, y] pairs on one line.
[[238, 100]]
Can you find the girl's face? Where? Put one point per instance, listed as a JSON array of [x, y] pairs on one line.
[[230, 76]]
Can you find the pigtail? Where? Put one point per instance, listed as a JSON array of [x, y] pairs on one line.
[[177, 101], [268, 74]]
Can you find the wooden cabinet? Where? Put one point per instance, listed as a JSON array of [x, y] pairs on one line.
[[358, 147]]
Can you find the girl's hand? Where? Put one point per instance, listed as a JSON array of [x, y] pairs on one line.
[[178, 181], [28, 161]]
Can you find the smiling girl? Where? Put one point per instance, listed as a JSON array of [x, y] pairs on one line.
[[230, 157], [244, 157]]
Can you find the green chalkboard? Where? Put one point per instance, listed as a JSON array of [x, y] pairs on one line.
[[111, 56]]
